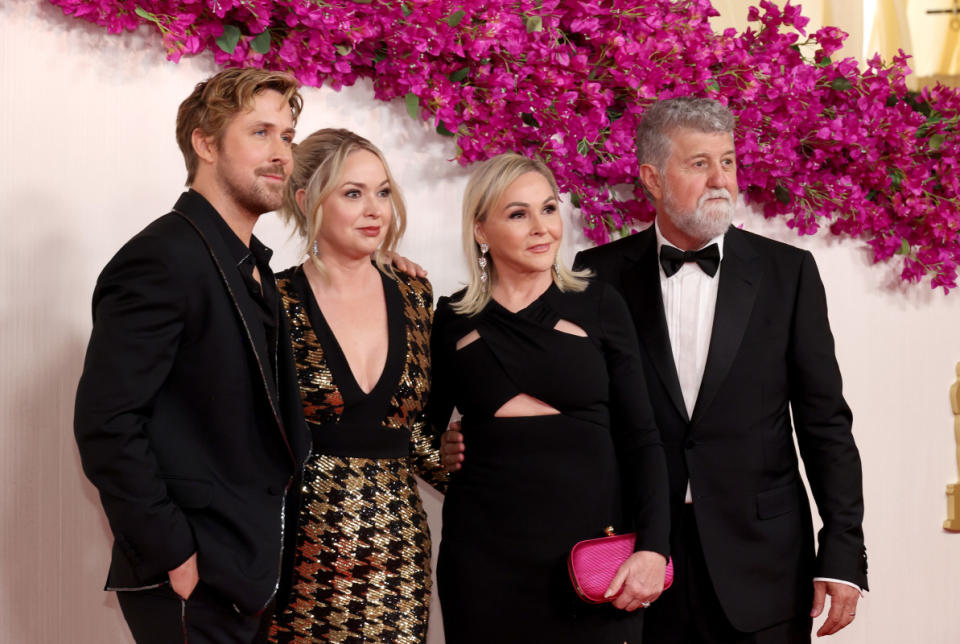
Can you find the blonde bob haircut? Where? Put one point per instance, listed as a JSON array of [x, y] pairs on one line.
[[317, 169], [485, 187]]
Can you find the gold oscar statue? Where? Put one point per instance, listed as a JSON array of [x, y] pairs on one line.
[[953, 489]]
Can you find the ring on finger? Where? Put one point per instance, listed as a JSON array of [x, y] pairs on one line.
[[645, 604]]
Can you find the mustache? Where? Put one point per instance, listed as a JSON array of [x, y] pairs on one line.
[[273, 169], [714, 193]]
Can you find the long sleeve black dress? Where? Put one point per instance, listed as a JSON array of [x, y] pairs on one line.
[[531, 487]]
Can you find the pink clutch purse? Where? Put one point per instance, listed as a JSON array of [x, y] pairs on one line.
[[593, 563]]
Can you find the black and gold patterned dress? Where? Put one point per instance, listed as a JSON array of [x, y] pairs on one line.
[[361, 569]]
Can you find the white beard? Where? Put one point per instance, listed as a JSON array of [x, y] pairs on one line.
[[708, 220]]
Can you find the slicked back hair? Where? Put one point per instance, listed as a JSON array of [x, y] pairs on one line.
[[217, 100]]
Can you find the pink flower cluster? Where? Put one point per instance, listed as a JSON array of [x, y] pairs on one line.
[[820, 142]]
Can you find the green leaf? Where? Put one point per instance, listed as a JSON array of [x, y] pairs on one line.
[[454, 18], [362, 1], [613, 115], [872, 195], [443, 131], [840, 84], [228, 41], [343, 49], [146, 15], [583, 147], [575, 199], [892, 100], [533, 23], [713, 85], [825, 61], [406, 10], [904, 248], [782, 194], [261, 43], [381, 54], [529, 119], [896, 178], [413, 105], [459, 75], [936, 141]]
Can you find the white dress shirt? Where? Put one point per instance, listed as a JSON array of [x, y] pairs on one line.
[[689, 303]]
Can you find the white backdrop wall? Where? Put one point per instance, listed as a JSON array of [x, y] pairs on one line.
[[88, 157]]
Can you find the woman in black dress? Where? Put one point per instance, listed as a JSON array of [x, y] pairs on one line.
[[360, 334], [544, 367]]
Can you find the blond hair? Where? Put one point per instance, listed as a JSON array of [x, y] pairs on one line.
[[318, 163], [485, 187], [215, 101]]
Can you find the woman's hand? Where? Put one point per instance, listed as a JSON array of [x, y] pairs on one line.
[[638, 581]]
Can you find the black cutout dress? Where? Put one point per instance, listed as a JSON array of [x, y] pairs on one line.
[[531, 487], [361, 568]]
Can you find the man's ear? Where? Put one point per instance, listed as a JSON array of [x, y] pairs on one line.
[[652, 181], [203, 145]]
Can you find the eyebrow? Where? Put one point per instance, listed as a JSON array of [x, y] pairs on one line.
[[363, 185], [271, 125], [524, 204], [700, 155]]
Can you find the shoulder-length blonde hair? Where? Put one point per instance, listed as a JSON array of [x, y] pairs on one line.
[[317, 169], [485, 187]]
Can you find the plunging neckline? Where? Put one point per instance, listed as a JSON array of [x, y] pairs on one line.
[[337, 361]]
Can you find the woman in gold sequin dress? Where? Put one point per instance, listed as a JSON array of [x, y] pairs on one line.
[[360, 571]]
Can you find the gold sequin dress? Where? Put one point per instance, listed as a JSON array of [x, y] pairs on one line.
[[361, 569]]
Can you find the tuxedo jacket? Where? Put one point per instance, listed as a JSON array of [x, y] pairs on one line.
[[190, 435], [771, 354]]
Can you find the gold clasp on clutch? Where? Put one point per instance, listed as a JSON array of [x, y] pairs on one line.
[[609, 530]]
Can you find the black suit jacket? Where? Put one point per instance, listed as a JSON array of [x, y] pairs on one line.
[[771, 352], [190, 435]]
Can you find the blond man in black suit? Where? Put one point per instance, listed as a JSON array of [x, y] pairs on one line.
[[188, 417]]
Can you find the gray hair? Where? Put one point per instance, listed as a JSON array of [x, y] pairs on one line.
[[700, 114]]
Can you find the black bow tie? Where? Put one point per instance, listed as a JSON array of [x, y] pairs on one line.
[[672, 259]]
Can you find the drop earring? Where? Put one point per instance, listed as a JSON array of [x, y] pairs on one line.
[[482, 262], [314, 248], [556, 272]]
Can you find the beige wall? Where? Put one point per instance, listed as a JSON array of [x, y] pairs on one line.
[[88, 158]]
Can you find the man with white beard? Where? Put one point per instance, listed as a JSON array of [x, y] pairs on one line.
[[734, 334]]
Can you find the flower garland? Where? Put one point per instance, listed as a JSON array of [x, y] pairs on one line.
[[819, 141]]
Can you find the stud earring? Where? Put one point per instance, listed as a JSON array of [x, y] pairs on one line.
[[482, 262]]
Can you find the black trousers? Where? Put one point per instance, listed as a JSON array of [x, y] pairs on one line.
[[160, 616], [690, 613]]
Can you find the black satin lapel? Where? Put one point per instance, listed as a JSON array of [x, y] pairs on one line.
[[740, 277], [641, 288], [246, 307]]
